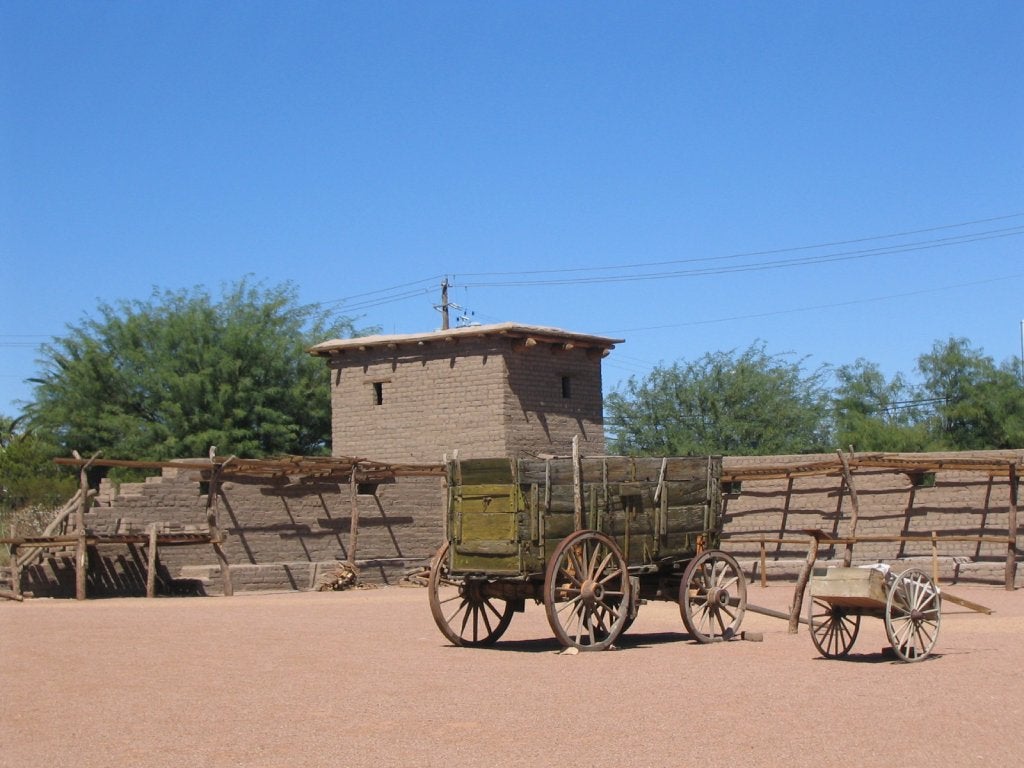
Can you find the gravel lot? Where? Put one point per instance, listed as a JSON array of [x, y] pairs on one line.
[[364, 678]]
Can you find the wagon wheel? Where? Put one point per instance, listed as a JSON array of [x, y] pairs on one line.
[[713, 597], [461, 609], [913, 612], [833, 628], [587, 591]]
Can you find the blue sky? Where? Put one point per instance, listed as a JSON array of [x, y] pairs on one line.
[[667, 173]]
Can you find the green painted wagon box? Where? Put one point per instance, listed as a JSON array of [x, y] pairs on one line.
[[850, 587], [506, 516]]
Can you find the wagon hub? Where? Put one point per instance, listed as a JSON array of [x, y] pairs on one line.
[[592, 592], [719, 596]]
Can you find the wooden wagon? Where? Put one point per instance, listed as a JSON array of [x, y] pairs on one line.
[[908, 603], [591, 539]]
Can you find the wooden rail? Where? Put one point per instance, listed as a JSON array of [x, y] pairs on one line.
[[820, 537], [152, 539]]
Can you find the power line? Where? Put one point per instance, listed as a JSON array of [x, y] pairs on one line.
[[747, 254], [830, 305], [757, 267]]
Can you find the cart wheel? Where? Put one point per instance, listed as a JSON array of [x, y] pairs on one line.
[[463, 613], [713, 597], [913, 612], [833, 628], [587, 591]]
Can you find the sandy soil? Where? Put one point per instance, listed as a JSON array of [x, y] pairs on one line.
[[364, 678]]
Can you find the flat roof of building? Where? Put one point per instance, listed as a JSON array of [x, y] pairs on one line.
[[524, 333]]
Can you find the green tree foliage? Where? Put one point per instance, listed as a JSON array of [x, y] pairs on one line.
[[979, 405], [28, 477], [726, 402], [173, 375], [875, 414]]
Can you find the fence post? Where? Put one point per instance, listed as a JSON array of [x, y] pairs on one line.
[[1011, 525]]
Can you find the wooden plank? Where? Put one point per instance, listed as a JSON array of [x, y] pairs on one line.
[[577, 489], [857, 587], [486, 471], [488, 526], [965, 603], [484, 547]]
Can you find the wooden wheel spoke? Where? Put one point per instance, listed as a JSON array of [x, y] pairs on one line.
[[602, 568], [463, 611], [585, 586], [576, 574], [913, 615], [833, 629], [713, 596], [611, 576]]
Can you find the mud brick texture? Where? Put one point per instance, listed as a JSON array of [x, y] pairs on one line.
[[891, 503], [480, 397], [289, 534]]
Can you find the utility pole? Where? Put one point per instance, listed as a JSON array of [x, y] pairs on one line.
[[444, 305], [1022, 352]]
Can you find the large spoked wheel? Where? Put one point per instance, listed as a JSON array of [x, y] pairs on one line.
[[834, 628], [587, 591], [913, 612], [713, 597], [462, 610]]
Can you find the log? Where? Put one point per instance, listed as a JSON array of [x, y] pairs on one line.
[[801, 586], [854, 509], [151, 562], [353, 531], [216, 538], [1011, 524]]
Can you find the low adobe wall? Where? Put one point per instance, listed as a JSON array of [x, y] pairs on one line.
[[891, 504], [291, 534], [279, 534]]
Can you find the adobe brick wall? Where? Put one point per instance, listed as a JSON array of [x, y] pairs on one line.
[[287, 534], [477, 396], [279, 534], [539, 419], [959, 503]]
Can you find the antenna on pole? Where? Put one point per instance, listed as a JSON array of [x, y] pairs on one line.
[[1022, 352], [444, 304]]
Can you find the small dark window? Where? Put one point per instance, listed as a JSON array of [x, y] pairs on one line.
[[378, 393], [366, 489], [732, 487], [566, 387], [923, 479]]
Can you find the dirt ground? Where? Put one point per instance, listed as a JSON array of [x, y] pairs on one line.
[[364, 678]]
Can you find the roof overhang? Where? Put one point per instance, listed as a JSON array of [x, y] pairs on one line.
[[522, 336]]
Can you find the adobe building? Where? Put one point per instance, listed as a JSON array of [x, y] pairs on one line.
[[508, 390], [486, 390]]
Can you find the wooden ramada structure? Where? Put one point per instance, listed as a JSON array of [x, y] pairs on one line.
[[215, 471], [765, 523]]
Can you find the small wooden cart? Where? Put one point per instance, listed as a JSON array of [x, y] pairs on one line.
[[590, 539], [909, 603]]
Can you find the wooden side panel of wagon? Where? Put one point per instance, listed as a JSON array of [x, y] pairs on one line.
[[655, 509], [485, 517]]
